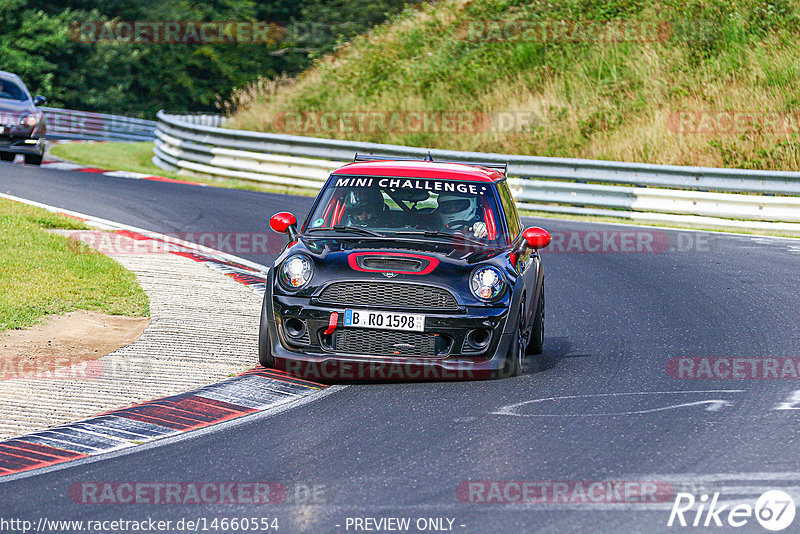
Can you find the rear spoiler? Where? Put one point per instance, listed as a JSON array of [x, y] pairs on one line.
[[502, 167]]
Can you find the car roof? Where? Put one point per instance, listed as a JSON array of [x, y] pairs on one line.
[[422, 169], [5, 74]]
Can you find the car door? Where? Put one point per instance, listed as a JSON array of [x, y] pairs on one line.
[[528, 260]]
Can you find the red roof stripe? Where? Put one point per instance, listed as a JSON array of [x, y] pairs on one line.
[[422, 169]]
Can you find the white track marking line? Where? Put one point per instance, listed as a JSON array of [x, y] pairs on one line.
[[715, 404], [63, 166], [127, 174]]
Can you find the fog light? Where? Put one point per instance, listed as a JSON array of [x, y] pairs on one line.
[[478, 339], [294, 328]]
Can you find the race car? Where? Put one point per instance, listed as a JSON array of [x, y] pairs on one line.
[[22, 123], [406, 269]]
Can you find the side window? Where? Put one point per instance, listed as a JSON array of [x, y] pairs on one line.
[[510, 209]]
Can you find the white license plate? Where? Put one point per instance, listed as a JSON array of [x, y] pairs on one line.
[[384, 320], [2, 129]]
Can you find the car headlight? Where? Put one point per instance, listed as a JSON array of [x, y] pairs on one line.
[[296, 271], [29, 120], [487, 283]]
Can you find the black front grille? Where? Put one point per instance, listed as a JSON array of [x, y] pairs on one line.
[[389, 343], [388, 295]]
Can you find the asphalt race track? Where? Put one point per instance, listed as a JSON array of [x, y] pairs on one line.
[[601, 407]]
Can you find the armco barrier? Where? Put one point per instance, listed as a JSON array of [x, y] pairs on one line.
[[695, 196], [85, 125]]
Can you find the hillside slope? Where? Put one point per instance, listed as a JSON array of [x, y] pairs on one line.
[[703, 82]]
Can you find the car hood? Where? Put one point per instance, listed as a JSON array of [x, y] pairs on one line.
[[16, 106], [12, 110], [454, 252], [442, 263]]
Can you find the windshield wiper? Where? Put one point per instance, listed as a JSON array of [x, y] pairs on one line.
[[432, 233], [351, 229]]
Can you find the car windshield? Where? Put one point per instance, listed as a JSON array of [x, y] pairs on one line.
[[409, 206], [11, 91]]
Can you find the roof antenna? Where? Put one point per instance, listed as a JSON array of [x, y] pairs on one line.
[[429, 157]]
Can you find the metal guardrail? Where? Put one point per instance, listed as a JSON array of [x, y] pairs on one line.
[[694, 196], [85, 125]]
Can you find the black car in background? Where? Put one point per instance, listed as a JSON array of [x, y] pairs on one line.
[[406, 270], [22, 124]]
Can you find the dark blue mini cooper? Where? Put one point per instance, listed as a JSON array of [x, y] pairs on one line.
[[406, 269]]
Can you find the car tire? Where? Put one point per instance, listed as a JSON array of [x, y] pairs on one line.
[[265, 357], [33, 159], [536, 341], [516, 352], [5, 156]]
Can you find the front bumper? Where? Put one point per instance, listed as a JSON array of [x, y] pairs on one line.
[[318, 355], [20, 144]]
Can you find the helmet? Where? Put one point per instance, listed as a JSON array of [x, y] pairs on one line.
[[364, 199], [363, 204], [454, 207]]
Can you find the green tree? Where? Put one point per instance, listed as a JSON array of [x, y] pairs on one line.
[[42, 42]]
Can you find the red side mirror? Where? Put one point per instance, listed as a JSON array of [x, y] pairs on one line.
[[536, 237], [280, 222]]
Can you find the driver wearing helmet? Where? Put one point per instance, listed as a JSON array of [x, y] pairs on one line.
[[364, 208], [460, 212]]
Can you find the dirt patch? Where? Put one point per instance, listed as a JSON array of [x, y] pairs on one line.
[[65, 341]]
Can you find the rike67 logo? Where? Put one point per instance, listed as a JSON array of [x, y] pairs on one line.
[[774, 510]]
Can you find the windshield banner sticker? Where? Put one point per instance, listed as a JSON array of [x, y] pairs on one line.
[[411, 183]]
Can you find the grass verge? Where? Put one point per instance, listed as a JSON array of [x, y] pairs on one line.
[[133, 157], [687, 82], [43, 273]]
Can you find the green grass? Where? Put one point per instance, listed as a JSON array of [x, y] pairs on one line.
[[43, 273], [136, 157], [585, 98]]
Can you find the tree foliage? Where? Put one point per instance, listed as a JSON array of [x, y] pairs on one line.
[[38, 41]]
